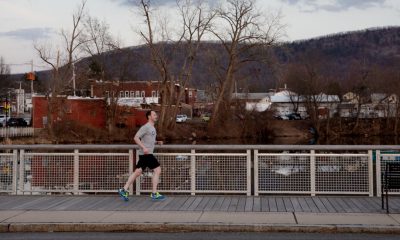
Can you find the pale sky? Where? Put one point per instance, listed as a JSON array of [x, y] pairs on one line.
[[23, 22]]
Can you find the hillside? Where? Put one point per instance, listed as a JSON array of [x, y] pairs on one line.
[[338, 52]]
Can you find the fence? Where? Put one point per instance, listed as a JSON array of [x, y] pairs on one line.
[[8, 171], [313, 173], [383, 157], [197, 169], [16, 131]]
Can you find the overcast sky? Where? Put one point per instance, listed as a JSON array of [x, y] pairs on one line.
[[23, 22]]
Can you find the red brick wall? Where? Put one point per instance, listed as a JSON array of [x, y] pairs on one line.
[[89, 112], [131, 117]]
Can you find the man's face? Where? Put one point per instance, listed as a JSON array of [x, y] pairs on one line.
[[153, 116]]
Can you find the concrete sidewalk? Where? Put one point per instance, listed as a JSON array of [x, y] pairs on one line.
[[52, 213], [177, 221]]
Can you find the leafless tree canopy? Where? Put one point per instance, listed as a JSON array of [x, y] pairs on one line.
[[195, 22], [244, 29]]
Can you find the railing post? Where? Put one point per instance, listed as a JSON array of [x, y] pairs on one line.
[[248, 160], [130, 168], [15, 171], [312, 172], [193, 172], [370, 174], [21, 171], [138, 179], [76, 171], [378, 173], [256, 172]]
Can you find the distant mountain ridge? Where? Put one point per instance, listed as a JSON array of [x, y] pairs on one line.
[[377, 47]]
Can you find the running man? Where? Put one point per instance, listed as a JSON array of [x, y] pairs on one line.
[[146, 139]]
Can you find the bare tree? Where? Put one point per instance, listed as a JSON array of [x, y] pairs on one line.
[[361, 75], [98, 44], [195, 20], [61, 71], [308, 81], [245, 30]]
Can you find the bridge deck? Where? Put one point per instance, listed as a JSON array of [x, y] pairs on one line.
[[319, 204]]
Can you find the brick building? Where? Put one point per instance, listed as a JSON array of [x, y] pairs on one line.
[[85, 111], [90, 112], [142, 91]]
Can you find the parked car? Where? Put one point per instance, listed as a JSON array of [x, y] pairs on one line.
[[281, 117], [181, 118], [294, 116], [17, 122]]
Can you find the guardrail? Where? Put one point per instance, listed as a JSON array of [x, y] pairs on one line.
[[197, 169], [16, 131]]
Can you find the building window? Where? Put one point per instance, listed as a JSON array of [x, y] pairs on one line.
[[121, 94], [142, 94], [137, 94], [107, 94], [190, 94], [132, 94], [153, 94], [126, 94]]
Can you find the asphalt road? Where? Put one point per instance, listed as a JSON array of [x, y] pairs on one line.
[[196, 236]]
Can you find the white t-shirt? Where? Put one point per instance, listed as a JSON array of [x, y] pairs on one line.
[[147, 135]]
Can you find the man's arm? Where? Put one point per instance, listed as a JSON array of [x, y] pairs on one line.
[[138, 142]]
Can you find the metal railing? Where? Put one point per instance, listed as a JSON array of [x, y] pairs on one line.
[[16, 131], [383, 157], [8, 171], [196, 169], [313, 173]]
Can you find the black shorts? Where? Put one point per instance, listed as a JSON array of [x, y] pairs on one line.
[[147, 161]]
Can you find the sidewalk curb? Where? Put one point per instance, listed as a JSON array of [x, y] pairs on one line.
[[184, 227]]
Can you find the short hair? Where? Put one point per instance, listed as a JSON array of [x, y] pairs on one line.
[[148, 113]]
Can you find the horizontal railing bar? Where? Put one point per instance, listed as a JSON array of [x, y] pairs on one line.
[[317, 154], [205, 147], [78, 154], [340, 155], [341, 192], [201, 154], [285, 192]]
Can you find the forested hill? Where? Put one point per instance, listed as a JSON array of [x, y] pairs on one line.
[[334, 54]]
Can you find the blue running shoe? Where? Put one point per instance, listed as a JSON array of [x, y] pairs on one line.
[[157, 196], [123, 194]]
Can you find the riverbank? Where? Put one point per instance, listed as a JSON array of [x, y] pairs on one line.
[[253, 131]]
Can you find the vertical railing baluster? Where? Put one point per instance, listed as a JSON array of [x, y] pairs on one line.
[[76, 171], [378, 165], [21, 171], [256, 172], [193, 172], [15, 171], [248, 164], [139, 178], [130, 168], [370, 174], [312, 172]]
